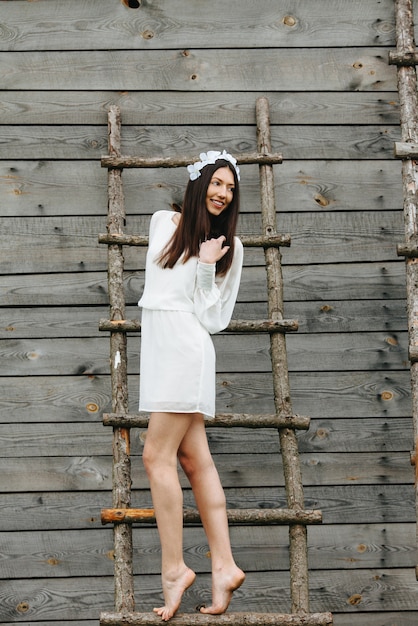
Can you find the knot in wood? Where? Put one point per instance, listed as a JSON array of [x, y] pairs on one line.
[[132, 4], [321, 200], [289, 20], [355, 599], [386, 395], [22, 607], [147, 34]]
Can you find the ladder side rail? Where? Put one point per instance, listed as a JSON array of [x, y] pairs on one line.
[[408, 100], [121, 467], [299, 585]]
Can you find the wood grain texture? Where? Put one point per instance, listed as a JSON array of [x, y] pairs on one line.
[[192, 69], [360, 281], [324, 435], [343, 351], [313, 316], [103, 24], [294, 142], [88, 473], [340, 504], [161, 107], [75, 553], [372, 589], [361, 394], [48, 189], [70, 244]]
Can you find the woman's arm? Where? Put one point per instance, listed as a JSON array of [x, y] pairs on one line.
[[215, 296]]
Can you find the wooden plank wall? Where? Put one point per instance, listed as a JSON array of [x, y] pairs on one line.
[[186, 76]]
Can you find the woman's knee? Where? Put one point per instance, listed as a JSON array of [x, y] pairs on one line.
[[150, 458], [187, 462], [193, 464]]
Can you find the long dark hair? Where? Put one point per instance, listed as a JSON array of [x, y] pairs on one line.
[[197, 224]]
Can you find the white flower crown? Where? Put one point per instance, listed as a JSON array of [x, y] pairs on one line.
[[210, 157]]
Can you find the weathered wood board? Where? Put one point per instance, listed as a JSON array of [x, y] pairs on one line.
[[81, 142], [47, 189], [314, 317], [373, 351], [69, 244], [340, 435], [340, 504], [87, 473], [318, 394], [160, 107], [200, 69], [103, 24], [346, 591], [84, 552]]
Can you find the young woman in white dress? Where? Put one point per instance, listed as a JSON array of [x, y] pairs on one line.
[[192, 277]]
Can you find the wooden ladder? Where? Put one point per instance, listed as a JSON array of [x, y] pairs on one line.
[[122, 515], [406, 59]]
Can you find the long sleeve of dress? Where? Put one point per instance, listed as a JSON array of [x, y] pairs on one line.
[[215, 296]]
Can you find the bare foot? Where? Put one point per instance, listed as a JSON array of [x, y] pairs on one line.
[[223, 586], [173, 590]]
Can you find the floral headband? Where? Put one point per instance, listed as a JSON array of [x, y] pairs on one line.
[[210, 158]]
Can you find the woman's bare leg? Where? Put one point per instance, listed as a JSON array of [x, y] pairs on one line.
[[197, 462], [165, 433]]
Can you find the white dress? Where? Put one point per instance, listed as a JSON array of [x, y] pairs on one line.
[[181, 307]]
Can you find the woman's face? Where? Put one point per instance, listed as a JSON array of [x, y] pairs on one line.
[[220, 191]]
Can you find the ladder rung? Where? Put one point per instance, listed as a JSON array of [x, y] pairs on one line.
[[403, 58], [248, 158], [406, 150], [250, 241], [235, 516], [235, 326], [227, 619], [407, 250], [229, 420], [413, 353]]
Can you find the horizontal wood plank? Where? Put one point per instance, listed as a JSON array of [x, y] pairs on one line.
[[313, 317], [193, 69], [61, 553], [343, 352], [95, 473], [340, 504], [161, 107], [370, 589], [69, 244], [90, 438], [317, 394], [47, 188], [356, 281], [294, 142], [102, 24]]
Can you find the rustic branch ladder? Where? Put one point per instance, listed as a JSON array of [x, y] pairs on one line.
[[122, 515], [406, 59]]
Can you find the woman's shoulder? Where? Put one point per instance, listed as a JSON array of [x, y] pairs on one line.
[[238, 244], [163, 214]]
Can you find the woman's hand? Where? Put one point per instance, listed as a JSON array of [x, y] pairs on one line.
[[212, 250]]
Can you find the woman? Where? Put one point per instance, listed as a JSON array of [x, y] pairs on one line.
[[193, 270]]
